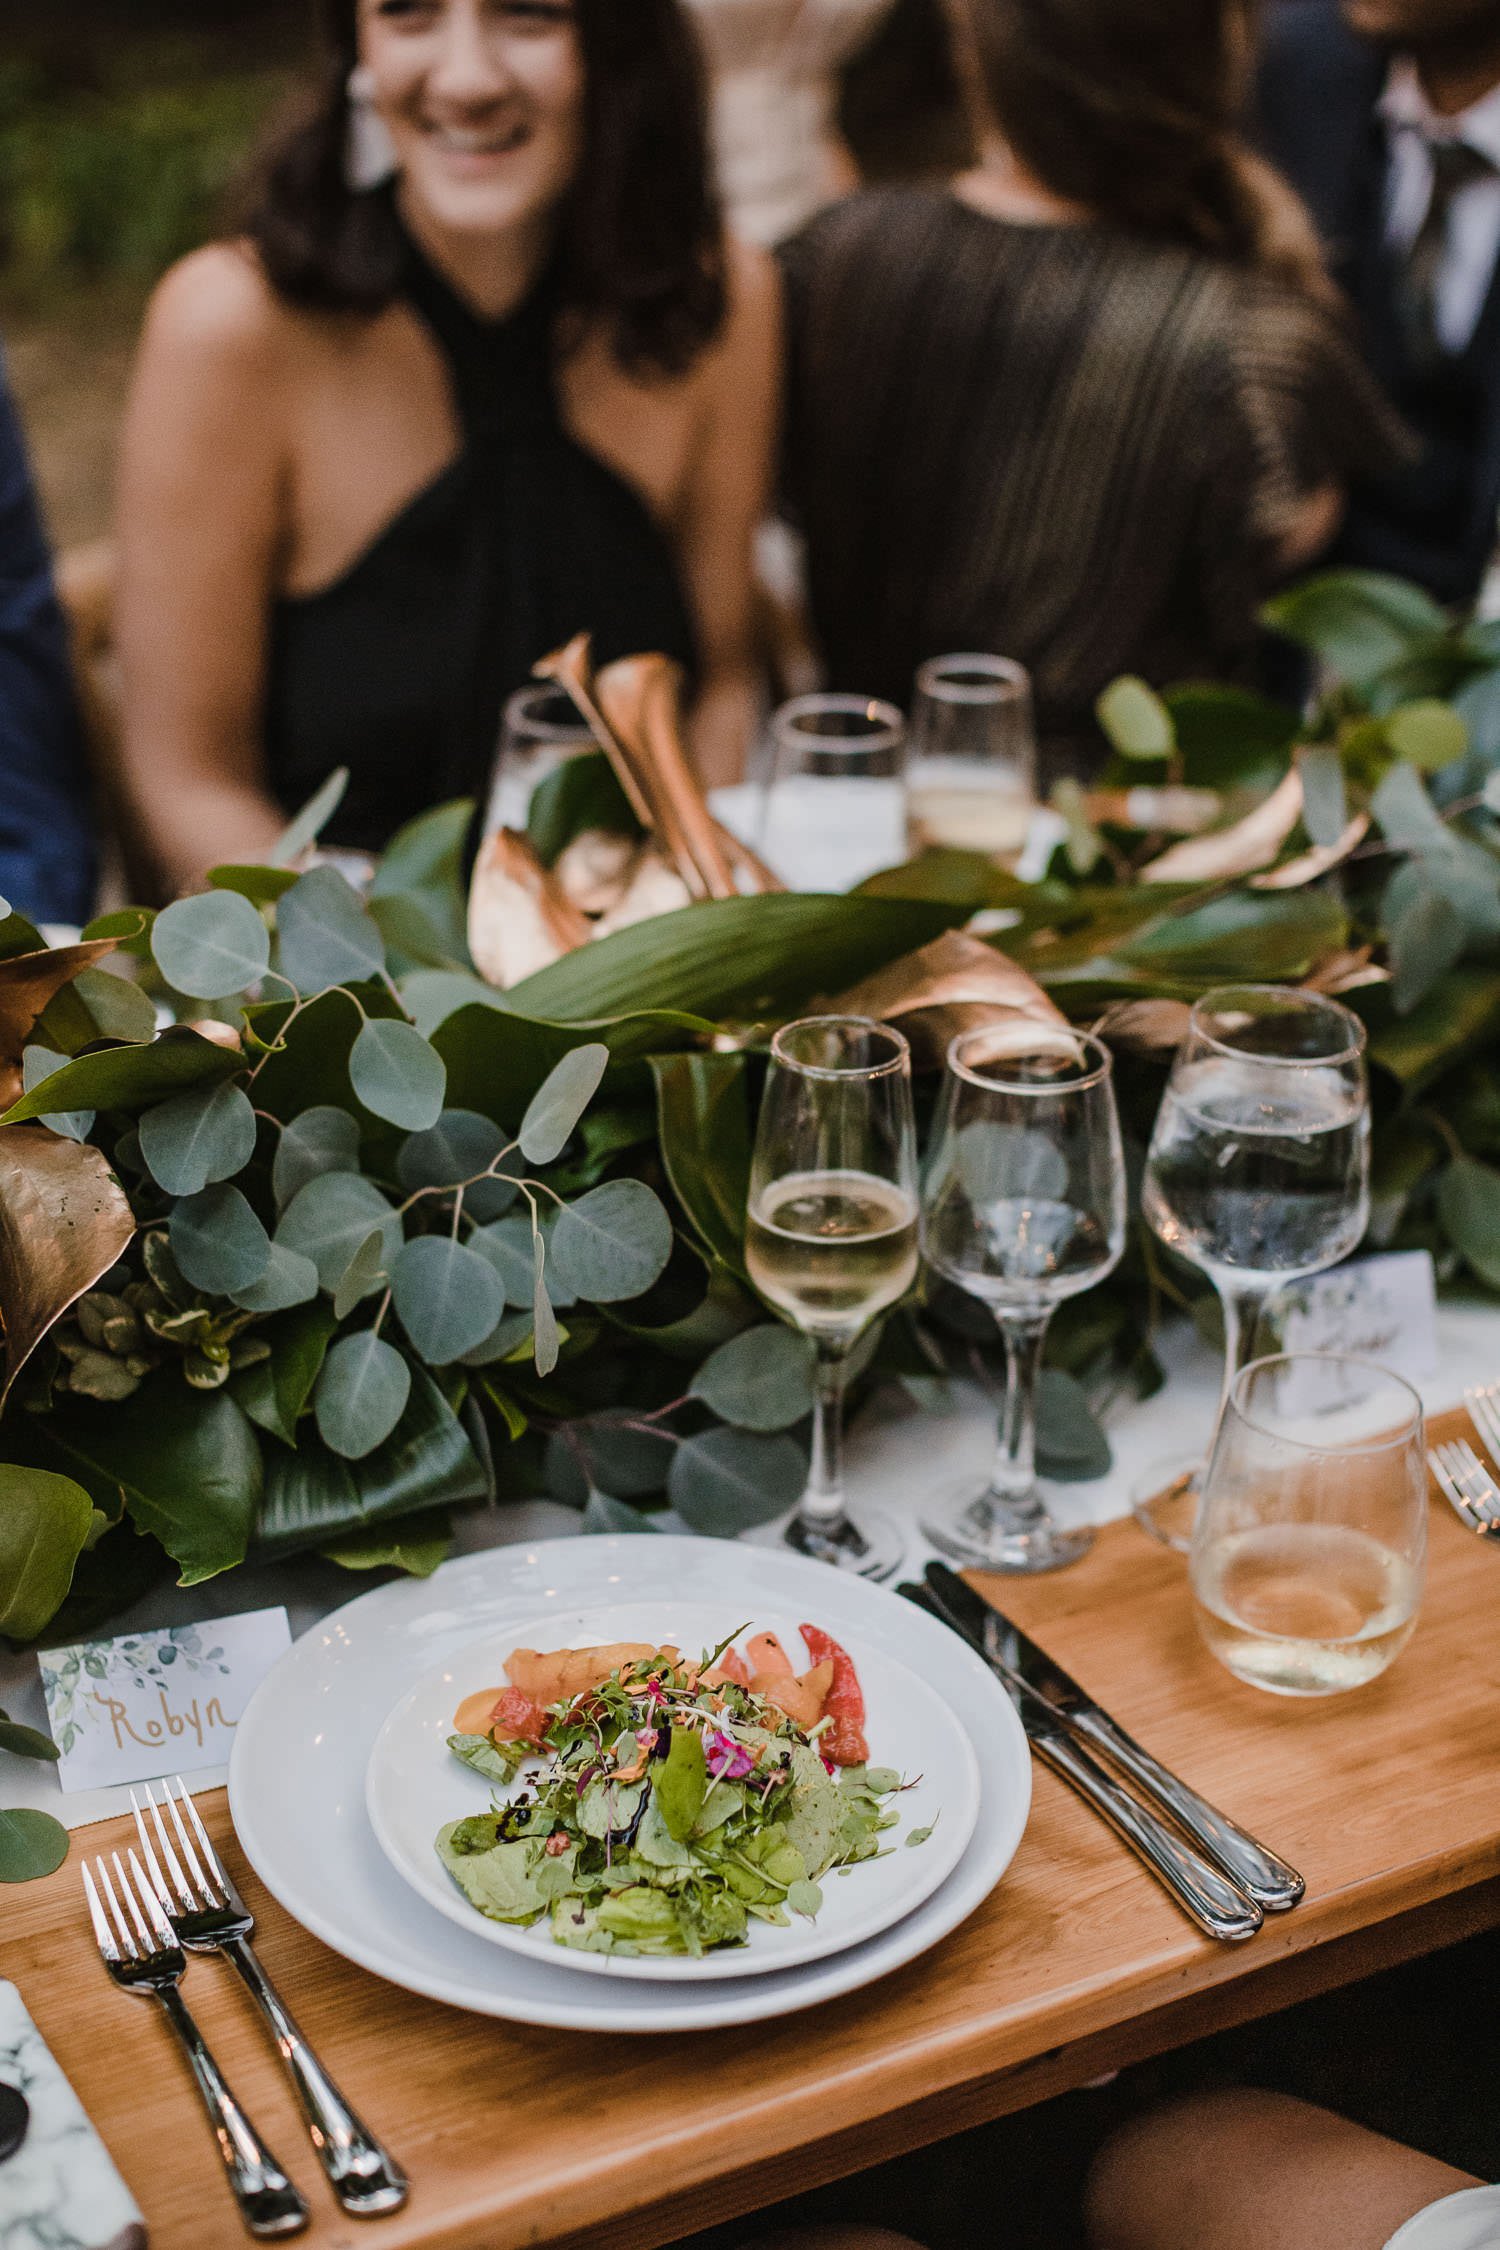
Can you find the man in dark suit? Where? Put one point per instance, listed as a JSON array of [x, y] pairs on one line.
[[1385, 115]]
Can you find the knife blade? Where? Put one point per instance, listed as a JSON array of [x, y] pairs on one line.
[[1246, 1861], [1208, 1898]]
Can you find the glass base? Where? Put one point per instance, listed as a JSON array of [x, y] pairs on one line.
[[1164, 1501], [871, 1548], [984, 1532]]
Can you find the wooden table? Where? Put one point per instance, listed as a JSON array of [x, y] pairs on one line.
[[1388, 1800]]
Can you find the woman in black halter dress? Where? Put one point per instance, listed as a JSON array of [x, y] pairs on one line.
[[481, 373]]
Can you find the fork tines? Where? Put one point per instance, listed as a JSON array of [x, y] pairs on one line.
[[1483, 1403], [112, 1930], [210, 1894], [1467, 1485]]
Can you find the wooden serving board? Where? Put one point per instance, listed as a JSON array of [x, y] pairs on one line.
[[1388, 1799]]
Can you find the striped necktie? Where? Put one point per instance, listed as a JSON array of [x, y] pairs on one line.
[[1455, 166]]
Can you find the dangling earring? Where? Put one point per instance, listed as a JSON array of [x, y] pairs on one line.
[[369, 152]]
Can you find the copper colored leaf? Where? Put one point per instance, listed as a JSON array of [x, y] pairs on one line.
[[954, 984], [27, 982], [64, 1221]]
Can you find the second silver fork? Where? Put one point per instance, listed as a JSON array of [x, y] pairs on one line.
[[209, 1916], [1466, 1484]]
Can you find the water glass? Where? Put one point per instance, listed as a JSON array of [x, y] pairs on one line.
[[1310, 1542], [540, 727], [1023, 1205], [971, 762], [1258, 1171], [832, 810], [831, 1236]]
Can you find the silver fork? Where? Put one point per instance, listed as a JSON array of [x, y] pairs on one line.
[[142, 1955], [1483, 1403], [1466, 1483], [209, 1916]]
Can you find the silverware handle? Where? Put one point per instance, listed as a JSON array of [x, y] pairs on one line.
[[363, 2174], [1268, 1880], [269, 2204], [1205, 1896]]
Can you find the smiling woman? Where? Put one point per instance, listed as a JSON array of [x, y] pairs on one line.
[[480, 372]]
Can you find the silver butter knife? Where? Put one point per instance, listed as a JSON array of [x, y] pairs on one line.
[[1248, 1864], [1218, 1908]]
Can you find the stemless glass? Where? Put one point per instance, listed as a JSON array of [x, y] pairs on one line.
[[971, 761], [831, 1236], [832, 811], [1311, 1536], [1023, 1205], [1258, 1171], [540, 728]]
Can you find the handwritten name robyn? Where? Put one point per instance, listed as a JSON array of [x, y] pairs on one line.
[[151, 1732]]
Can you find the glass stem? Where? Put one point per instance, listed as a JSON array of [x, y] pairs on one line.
[[823, 1501], [1014, 1475], [1242, 1310]]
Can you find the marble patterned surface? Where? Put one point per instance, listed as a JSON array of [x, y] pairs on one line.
[[60, 2191]]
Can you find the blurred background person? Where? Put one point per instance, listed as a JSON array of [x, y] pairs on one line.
[[481, 371], [47, 864], [1385, 114], [1086, 405]]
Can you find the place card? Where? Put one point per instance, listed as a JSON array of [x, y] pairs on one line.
[[1382, 1308], [157, 1703]]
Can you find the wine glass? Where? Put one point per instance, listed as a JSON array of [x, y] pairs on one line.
[[832, 810], [971, 759], [1023, 1205], [1311, 1534], [1258, 1172], [831, 1236], [540, 727]]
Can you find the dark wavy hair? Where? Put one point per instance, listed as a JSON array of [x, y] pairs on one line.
[[640, 240], [1133, 108]]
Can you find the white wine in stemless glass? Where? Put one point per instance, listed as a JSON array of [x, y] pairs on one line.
[[832, 813], [971, 756]]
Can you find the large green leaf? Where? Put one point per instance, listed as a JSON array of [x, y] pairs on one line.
[[1469, 1206], [199, 1137], [433, 995], [1460, 1014], [186, 1461], [211, 945], [703, 1112], [1260, 935], [415, 1544], [312, 1497], [275, 1391], [423, 865], [1228, 738], [129, 1077], [1358, 620], [497, 1059], [45, 1521], [612, 1243], [581, 793], [735, 956]]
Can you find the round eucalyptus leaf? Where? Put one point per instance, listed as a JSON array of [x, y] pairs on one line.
[[461, 1144], [32, 1844], [560, 1101], [117, 1004], [361, 1394], [723, 1481], [198, 1137], [507, 1246], [210, 945], [448, 1297], [38, 1064], [602, 1512], [329, 1218], [323, 934], [1136, 720], [512, 1331], [396, 1074], [1428, 734], [364, 1271], [760, 1380], [218, 1242], [614, 1242], [289, 1279], [320, 1140], [611, 1451]]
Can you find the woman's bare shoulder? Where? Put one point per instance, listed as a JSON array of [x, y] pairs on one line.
[[215, 308]]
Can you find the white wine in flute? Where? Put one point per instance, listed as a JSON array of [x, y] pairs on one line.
[[966, 808], [832, 1249]]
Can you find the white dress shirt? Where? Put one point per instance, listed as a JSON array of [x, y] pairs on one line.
[[1473, 242]]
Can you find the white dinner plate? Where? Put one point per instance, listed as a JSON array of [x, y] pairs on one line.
[[297, 1772], [414, 1786]]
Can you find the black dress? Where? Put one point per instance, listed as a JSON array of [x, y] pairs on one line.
[[400, 668]]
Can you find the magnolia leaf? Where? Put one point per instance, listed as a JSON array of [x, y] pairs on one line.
[[289, 1279], [365, 1270], [26, 1742], [397, 1075], [449, 1298], [198, 1138], [546, 1342], [329, 1218], [27, 982], [305, 827], [1325, 806], [603, 1513], [1469, 1207], [1136, 720], [360, 1394], [554, 1110], [431, 996], [703, 1128], [427, 1463], [275, 1391], [263, 886], [320, 1140], [218, 1242], [613, 1243], [723, 1481], [187, 1462], [130, 1077], [45, 1523], [1070, 1445], [38, 1064], [1428, 734], [211, 945], [760, 1380], [459, 1146], [32, 1844], [415, 1544], [64, 1221], [323, 934]]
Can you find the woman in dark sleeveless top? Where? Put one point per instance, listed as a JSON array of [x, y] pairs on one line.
[[481, 373]]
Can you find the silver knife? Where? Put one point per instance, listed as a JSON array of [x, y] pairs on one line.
[[1218, 1908], [1248, 1864]]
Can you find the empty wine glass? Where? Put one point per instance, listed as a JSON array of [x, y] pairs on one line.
[[541, 727], [1258, 1172], [971, 758], [832, 811], [1311, 1536], [831, 1236], [1023, 1205]]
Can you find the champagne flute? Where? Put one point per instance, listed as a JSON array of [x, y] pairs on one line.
[[1258, 1173], [1023, 1205], [831, 1237], [971, 761]]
